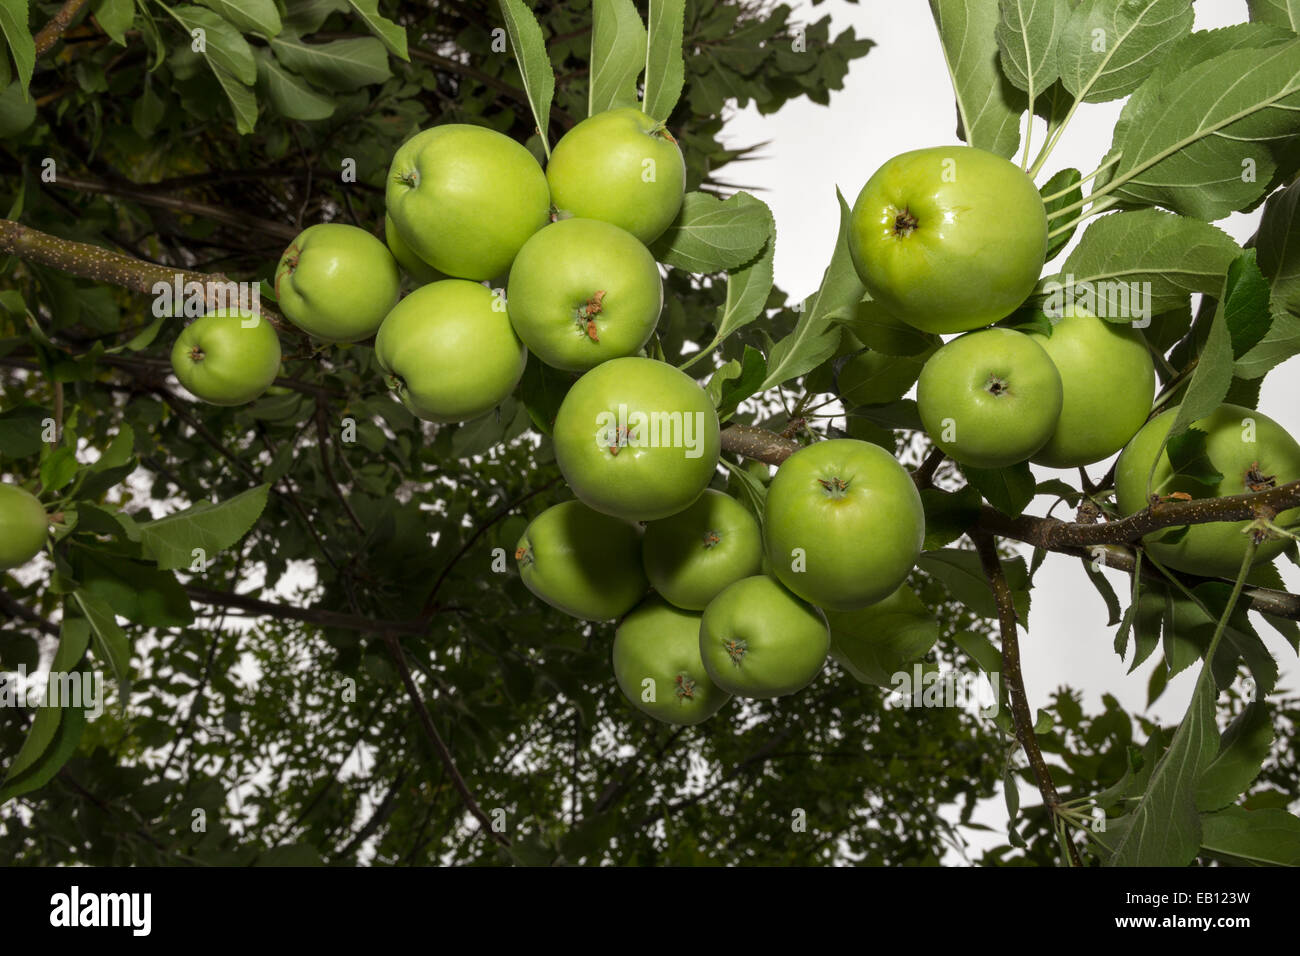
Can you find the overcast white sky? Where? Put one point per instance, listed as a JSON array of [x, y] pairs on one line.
[[899, 97]]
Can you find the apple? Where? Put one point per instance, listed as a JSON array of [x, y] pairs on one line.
[[227, 357], [449, 351], [583, 563], [637, 438], [581, 292], [692, 555], [658, 667], [465, 198], [843, 523], [622, 167], [1108, 383], [337, 282], [949, 238], [758, 640], [990, 398], [24, 528], [420, 271], [1252, 453]]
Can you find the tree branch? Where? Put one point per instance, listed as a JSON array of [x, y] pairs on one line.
[[1014, 680], [309, 615], [50, 33], [758, 443]]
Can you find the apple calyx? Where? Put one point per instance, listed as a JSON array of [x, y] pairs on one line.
[[904, 223], [197, 354], [410, 178], [685, 687], [524, 555], [997, 386], [585, 316], [711, 540], [622, 436], [834, 487], [291, 256], [736, 650], [1256, 480]]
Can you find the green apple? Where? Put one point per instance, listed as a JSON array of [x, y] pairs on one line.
[[989, 399], [1108, 383], [1252, 453], [622, 167], [694, 554], [24, 528], [420, 271], [581, 292], [658, 667], [843, 523], [950, 238], [449, 351], [336, 282], [758, 640], [227, 357], [637, 439], [581, 562], [465, 198]]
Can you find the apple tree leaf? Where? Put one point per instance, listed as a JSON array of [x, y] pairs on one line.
[[1107, 49], [248, 16], [1280, 13], [1026, 33], [339, 65], [13, 24], [1065, 182], [1009, 489], [665, 70], [1241, 837], [712, 235], [1243, 749], [989, 107], [533, 61], [389, 33], [172, 541], [815, 336], [618, 53]]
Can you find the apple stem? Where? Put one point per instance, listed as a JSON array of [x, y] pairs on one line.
[[661, 130]]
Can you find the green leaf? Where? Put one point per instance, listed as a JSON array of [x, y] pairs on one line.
[[878, 641], [342, 65], [67, 735], [137, 591], [1065, 179], [1280, 342], [17, 111], [881, 332], [207, 527], [1280, 13], [109, 637], [815, 337], [1107, 592], [1243, 837], [1278, 254], [288, 94], [743, 485], [747, 291], [1246, 309], [1175, 255], [13, 24], [1210, 380], [242, 100], [58, 468], [542, 390], [711, 235], [1164, 829], [21, 429], [224, 48], [989, 108], [751, 371], [1009, 489], [1107, 49], [249, 16], [1190, 458], [74, 637], [665, 70], [534, 64], [1026, 35], [618, 53], [960, 572], [1200, 146], [1243, 749], [899, 414], [115, 18], [948, 514], [388, 32]]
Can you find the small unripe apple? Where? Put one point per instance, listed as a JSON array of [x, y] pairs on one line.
[[622, 167], [227, 357], [24, 526], [336, 282]]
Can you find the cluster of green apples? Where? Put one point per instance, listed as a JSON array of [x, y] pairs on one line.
[[952, 239]]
